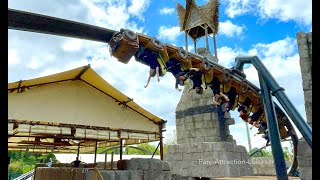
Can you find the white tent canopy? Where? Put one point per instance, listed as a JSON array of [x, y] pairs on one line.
[[76, 104]]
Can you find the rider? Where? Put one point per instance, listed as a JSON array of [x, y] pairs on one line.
[[218, 97], [243, 109], [255, 116], [180, 76], [151, 58], [232, 94], [196, 77]]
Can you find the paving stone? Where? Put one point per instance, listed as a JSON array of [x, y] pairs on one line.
[[165, 166], [136, 174], [122, 175]]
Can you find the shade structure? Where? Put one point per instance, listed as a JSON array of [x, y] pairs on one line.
[[75, 108]]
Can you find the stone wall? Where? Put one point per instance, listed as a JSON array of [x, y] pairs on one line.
[[264, 166], [137, 169], [134, 169], [304, 41], [209, 159], [197, 120]]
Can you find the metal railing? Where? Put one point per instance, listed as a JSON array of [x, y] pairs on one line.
[[25, 176]]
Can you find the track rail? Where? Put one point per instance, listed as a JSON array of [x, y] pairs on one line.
[[27, 21]]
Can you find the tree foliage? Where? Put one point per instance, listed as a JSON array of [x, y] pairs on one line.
[[288, 155], [22, 162], [148, 147]]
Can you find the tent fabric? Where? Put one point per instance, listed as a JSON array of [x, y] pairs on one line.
[[87, 75], [75, 102], [77, 97]]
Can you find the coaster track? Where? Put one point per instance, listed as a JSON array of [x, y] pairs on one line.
[[125, 44]]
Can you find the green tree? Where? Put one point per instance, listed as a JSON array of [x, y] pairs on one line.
[[260, 153], [30, 162], [146, 146], [22, 162], [15, 169], [170, 140], [288, 155]]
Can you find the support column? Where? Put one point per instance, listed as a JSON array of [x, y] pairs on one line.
[[248, 136], [95, 152], [195, 46], [161, 143], [304, 41], [78, 150], [120, 149], [273, 130], [206, 34], [215, 46], [105, 161], [111, 164], [186, 39]]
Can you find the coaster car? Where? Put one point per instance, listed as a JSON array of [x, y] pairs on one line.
[[123, 45]]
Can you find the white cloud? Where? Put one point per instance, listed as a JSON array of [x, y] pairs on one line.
[[13, 57], [72, 45], [137, 7], [226, 55], [283, 10], [229, 29], [190, 48], [104, 15], [169, 33], [166, 10], [277, 55], [237, 7]]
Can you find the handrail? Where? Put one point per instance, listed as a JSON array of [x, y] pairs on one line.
[[25, 175]]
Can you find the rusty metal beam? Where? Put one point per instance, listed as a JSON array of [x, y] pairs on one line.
[[32, 22]]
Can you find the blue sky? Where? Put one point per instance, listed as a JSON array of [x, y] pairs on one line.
[[266, 28]]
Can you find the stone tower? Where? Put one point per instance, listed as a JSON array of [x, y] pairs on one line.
[[204, 146]]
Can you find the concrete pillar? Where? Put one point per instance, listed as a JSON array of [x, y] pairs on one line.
[[304, 41]]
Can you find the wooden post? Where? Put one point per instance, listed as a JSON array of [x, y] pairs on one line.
[[95, 152], [186, 39], [215, 46], [105, 161], [111, 165], [95, 177], [195, 46], [161, 143], [78, 150], [120, 149], [206, 34]]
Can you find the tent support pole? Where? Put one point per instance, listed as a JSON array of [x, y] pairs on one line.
[[78, 150], [161, 143], [120, 149], [95, 152], [105, 161]]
